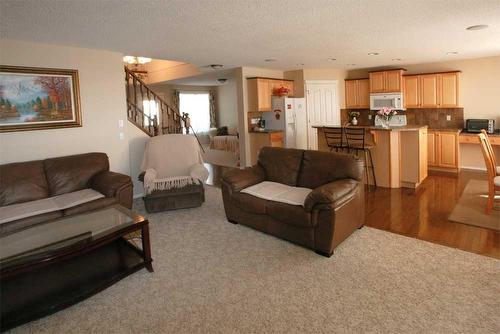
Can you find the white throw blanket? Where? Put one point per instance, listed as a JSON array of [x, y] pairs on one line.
[[28, 209], [172, 161], [278, 192]]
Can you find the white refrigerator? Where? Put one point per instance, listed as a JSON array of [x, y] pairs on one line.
[[288, 115]]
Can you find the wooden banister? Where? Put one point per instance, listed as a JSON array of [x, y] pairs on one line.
[[168, 120]]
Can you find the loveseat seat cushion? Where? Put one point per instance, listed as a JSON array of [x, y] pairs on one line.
[[22, 182], [319, 168], [289, 214], [281, 165], [72, 173], [249, 203]]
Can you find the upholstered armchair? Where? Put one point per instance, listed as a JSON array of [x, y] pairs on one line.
[[173, 173]]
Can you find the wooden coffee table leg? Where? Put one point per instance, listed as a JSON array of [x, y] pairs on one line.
[[146, 247]]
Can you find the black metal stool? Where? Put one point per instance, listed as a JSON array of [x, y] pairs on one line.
[[334, 137], [355, 139]]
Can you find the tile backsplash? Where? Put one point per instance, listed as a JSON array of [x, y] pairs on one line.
[[435, 118]]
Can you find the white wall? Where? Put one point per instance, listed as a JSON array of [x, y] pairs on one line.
[[103, 103], [227, 104]]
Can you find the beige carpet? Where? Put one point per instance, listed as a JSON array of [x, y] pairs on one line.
[[470, 207], [215, 277]]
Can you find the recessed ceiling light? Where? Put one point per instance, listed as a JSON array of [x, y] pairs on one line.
[[332, 59], [373, 53], [269, 60], [396, 59], [300, 64], [451, 53], [351, 64], [477, 27]]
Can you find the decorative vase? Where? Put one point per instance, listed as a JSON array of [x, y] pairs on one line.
[[384, 122], [354, 120]]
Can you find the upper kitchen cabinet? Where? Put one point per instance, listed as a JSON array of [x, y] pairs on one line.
[[449, 90], [260, 91], [357, 94], [386, 81], [434, 90]]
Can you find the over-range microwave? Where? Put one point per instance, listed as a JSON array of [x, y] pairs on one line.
[[392, 100]]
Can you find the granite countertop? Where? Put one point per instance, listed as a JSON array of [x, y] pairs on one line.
[[465, 133], [392, 128], [446, 129], [265, 131]]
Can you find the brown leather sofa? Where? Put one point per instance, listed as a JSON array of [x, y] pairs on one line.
[[33, 180], [331, 212]]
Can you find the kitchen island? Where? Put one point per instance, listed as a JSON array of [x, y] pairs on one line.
[[399, 154]]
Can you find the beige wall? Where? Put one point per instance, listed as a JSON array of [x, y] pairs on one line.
[[479, 95], [227, 103], [241, 76], [102, 95], [161, 71]]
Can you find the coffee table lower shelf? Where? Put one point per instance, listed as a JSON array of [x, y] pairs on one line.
[[38, 293]]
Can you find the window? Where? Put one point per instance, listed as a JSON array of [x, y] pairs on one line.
[[150, 108], [197, 105]]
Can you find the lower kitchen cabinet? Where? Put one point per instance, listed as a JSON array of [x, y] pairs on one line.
[[443, 149]]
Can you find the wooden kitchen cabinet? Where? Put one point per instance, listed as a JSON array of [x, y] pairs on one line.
[[434, 90], [443, 150], [386, 81], [260, 91], [357, 94], [448, 89], [412, 91], [260, 139]]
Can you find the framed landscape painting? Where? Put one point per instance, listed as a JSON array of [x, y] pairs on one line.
[[38, 98]]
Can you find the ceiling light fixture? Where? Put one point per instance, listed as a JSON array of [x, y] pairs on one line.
[[300, 64], [269, 60], [221, 80], [216, 66], [396, 59], [332, 59], [132, 60], [373, 53], [477, 27], [451, 53], [351, 64]]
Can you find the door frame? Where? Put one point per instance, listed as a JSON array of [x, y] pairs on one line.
[[313, 144]]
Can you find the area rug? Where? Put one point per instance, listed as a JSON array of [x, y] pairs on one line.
[[215, 277], [220, 158], [470, 207]]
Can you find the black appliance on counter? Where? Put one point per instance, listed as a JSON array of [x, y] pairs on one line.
[[476, 125]]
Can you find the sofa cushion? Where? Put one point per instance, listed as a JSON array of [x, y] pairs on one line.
[[20, 224], [273, 191], [281, 165], [319, 168], [249, 203], [289, 214], [22, 182], [18, 211], [72, 173], [92, 205]]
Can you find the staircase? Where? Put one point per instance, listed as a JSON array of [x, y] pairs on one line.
[[159, 117]]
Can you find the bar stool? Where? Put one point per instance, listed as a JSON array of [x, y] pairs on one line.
[[355, 139], [334, 137]]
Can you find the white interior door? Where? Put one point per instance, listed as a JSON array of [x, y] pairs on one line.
[[322, 107]]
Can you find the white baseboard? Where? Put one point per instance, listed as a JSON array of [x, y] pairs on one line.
[[473, 168]]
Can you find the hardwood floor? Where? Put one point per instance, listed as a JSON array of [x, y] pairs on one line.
[[421, 213]]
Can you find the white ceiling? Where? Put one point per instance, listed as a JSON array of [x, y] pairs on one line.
[[245, 32]]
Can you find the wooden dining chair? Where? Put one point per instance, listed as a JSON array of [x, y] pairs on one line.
[[493, 178], [334, 137], [497, 167]]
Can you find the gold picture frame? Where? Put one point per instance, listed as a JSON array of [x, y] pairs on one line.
[[33, 98]]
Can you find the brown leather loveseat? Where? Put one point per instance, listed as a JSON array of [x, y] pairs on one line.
[[331, 212], [26, 182]]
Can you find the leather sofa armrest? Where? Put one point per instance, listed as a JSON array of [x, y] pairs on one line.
[[239, 179], [331, 195], [112, 184]]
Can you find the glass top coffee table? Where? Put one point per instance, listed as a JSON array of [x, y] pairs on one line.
[[50, 266]]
